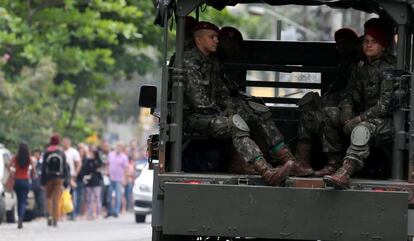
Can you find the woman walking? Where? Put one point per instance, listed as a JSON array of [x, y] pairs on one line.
[[21, 165], [93, 180]]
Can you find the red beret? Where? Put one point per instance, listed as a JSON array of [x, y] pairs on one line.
[[346, 33], [55, 139], [230, 33], [378, 34], [205, 25]]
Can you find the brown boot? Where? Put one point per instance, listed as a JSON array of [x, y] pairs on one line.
[[239, 166], [334, 162], [284, 155], [303, 154], [340, 179], [272, 176]]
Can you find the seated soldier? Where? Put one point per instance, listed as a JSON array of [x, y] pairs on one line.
[[319, 119], [372, 93], [209, 109]]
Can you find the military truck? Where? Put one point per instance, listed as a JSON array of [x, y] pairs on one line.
[[216, 205]]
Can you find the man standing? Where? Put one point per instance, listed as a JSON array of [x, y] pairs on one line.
[[54, 172], [117, 164], [372, 93], [208, 108], [74, 161]]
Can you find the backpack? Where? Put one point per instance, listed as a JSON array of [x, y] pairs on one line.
[[55, 164]]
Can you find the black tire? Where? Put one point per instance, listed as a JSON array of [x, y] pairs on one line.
[[2, 209], [11, 216], [139, 218]]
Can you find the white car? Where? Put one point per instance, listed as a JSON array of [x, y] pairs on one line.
[[142, 192]]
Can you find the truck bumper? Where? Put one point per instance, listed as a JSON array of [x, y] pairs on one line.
[[284, 213]]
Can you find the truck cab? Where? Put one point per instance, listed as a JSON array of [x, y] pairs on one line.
[[210, 203]]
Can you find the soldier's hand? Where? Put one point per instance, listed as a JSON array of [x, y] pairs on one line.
[[351, 124], [346, 114]]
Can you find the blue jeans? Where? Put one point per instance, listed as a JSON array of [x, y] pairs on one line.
[[128, 196], [21, 187], [80, 188], [115, 186]]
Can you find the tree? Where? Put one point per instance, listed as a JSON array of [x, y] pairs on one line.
[[91, 43]]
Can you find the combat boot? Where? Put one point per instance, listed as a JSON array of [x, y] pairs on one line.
[[284, 155], [340, 179], [334, 162], [303, 154], [272, 176], [239, 166]]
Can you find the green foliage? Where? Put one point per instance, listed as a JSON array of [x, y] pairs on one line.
[[88, 44]]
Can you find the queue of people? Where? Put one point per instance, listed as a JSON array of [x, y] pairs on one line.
[[93, 175], [358, 105]]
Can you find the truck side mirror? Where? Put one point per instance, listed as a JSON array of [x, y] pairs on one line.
[[148, 96]]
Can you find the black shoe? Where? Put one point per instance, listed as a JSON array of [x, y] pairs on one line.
[[19, 224], [115, 215], [49, 221], [54, 223], [108, 215]]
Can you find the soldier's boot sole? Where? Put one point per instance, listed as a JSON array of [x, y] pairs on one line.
[[333, 182]]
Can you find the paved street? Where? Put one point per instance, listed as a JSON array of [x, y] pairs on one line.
[[123, 228]]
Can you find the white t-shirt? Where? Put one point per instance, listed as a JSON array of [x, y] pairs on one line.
[[72, 156]]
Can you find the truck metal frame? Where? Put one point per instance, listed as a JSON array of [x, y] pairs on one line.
[[191, 206]]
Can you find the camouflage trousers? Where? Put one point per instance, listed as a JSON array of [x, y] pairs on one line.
[[323, 125], [220, 126], [381, 134]]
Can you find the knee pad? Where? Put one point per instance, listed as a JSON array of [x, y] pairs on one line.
[[239, 126], [260, 110], [360, 137]]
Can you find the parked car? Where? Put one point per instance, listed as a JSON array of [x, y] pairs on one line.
[[142, 192], [7, 199]]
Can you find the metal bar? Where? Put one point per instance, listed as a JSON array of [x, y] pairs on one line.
[[280, 100], [285, 68], [164, 98], [398, 117], [176, 127], [411, 136], [293, 85]]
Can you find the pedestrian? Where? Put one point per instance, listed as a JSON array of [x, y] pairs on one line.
[[55, 175], [92, 179], [117, 164], [104, 149], [80, 208], [21, 166], [37, 188], [74, 161], [129, 182]]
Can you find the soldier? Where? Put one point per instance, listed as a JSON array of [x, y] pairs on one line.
[[209, 109], [319, 117], [230, 50], [372, 93]]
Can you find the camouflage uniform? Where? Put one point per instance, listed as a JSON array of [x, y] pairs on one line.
[[320, 117], [372, 93], [208, 107]]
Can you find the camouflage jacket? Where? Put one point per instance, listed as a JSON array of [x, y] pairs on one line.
[[205, 91], [368, 91]]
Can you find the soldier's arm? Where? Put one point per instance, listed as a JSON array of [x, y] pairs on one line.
[[382, 107], [196, 87]]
